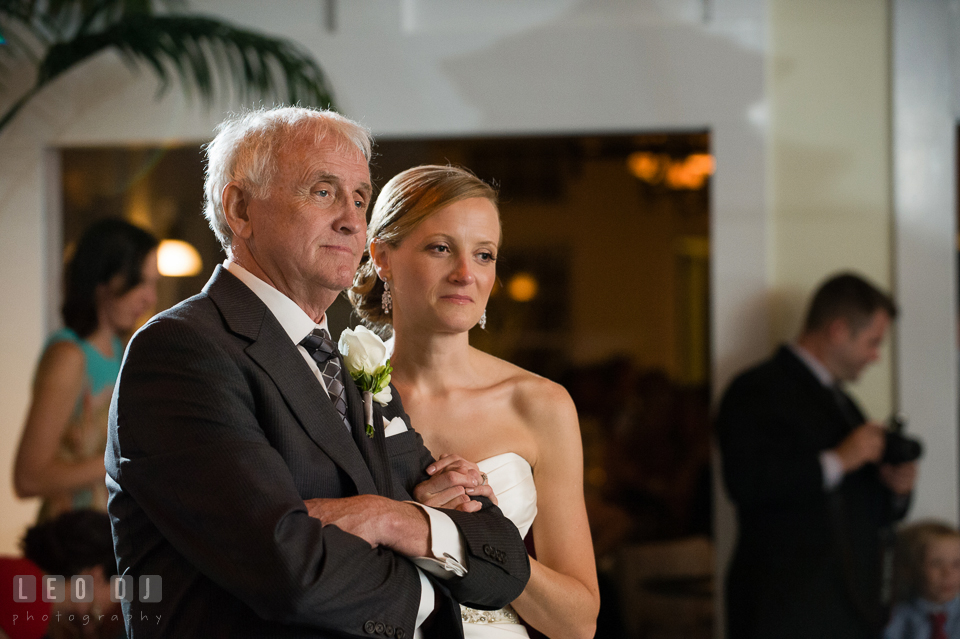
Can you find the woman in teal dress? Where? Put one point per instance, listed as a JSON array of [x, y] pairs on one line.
[[110, 283]]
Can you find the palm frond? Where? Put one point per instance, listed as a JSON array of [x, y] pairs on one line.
[[19, 43], [207, 55], [198, 49], [17, 9]]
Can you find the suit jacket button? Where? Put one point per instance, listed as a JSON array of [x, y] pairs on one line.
[[369, 627], [379, 628], [488, 550], [389, 631], [400, 633]]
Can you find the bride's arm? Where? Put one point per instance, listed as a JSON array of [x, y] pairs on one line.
[[562, 598]]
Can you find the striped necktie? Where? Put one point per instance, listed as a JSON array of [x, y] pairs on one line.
[[324, 352]]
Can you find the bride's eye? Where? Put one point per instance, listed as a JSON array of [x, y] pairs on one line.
[[438, 248], [487, 256]]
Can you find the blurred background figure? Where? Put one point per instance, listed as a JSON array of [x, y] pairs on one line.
[[803, 466], [79, 542], [110, 283], [928, 583]]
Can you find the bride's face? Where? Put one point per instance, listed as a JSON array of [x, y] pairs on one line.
[[442, 273]]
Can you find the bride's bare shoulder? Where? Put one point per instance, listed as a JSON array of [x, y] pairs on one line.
[[546, 405], [540, 402]]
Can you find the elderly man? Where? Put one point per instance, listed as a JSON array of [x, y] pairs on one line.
[[802, 465], [238, 464]]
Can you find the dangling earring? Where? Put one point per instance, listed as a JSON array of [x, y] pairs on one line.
[[483, 319], [386, 300]]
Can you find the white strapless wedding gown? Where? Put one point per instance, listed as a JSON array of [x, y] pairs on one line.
[[511, 478]]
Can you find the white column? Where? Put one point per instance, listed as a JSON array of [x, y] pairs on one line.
[[925, 213]]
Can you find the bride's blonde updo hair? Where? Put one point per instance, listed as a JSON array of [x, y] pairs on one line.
[[405, 201]]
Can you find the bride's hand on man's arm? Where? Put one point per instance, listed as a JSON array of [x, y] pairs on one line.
[[453, 483]]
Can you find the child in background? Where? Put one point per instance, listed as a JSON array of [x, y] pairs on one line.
[[928, 557]]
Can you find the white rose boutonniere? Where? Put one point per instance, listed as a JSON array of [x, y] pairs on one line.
[[365, 356]]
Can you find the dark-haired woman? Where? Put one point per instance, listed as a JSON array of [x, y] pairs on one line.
[[110, 282]]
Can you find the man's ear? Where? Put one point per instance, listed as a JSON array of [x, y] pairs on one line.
[[380, 256], [236, 201], [839, 331]]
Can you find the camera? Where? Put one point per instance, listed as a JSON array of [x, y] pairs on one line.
[[899, 448]]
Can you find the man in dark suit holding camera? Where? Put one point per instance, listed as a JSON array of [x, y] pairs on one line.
[[802, 465], [239, 466]]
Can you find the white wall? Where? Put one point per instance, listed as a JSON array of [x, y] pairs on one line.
[[829, 159], [926, 108]]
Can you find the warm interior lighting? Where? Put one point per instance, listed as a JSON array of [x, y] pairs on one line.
[[702, 163], [522, 287], [645, 166], [176, 258], [690, 172]]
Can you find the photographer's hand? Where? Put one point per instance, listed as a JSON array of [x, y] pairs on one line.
[[863, 445], [899, 478]]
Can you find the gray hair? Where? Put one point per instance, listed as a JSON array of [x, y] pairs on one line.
[[246, 146]]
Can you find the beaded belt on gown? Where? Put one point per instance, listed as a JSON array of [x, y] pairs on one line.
[[504, 615]]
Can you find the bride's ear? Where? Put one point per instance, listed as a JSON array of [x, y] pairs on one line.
[[380, 256]]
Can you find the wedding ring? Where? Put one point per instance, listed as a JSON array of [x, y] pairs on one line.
[[484, 482]]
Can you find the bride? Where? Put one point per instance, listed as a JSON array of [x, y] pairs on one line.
[[433, 241]]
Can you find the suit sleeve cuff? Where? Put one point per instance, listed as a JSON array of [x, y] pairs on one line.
[[832, 469], [446, 546]]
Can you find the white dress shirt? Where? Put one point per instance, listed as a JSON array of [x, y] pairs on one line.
[[830, 463], [447, 546]]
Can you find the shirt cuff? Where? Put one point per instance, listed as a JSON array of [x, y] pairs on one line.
[[832, 469], [427, 602], [446, 545]]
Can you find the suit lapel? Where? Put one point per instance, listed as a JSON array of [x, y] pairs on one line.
[[825, 403], [273, 351], [374, 450], [844, 419]]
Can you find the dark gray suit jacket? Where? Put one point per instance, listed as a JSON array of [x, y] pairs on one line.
[[807, 561], [218, 433]]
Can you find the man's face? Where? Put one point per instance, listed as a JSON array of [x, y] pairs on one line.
[[854, 349], [310, 230]]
